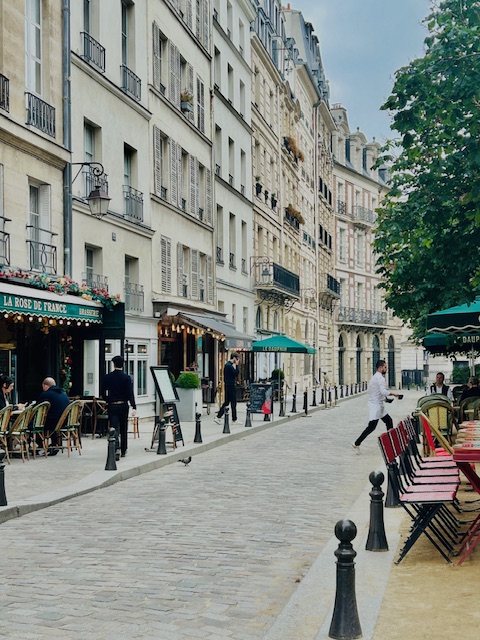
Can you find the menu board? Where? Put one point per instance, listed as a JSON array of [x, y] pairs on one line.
[[163, 384], [261, 398]]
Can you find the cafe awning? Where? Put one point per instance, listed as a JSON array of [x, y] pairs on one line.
[[283, 344], [233, 339], [28, 302]]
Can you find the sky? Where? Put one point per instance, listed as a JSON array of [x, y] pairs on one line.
[[363, 43]]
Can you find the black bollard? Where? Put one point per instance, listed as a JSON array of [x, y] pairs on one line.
[[294, 403], [377, 540], [226, 422], [111, 465], [281, 411], [336, 394], [346, 390], [248, 418], [341, 391], [345, 623], [305, 402], [330, 396], [322, 398], [162, 433], [198, 428], [314, 397], [3, 495]]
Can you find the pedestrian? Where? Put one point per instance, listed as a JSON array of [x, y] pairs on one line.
[[59, 401], [118, 392], [6, 388], [377, 393], [472, 390], [230, 375], [439, 386]]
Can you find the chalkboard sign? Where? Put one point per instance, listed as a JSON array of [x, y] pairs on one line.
[[261, 398], [163, 384], [172, 422]]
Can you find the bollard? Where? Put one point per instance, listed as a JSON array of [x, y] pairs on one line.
[[345, 624], [3, 495], [198, 428], [322, 399], [336, 395], [305, 402], [330, 396], [341, 391], [111, 465], [226, 422], [314, 397], [162, 432], [294, 403], [377, 540], [281, 412], [346, 390], [248, 419]]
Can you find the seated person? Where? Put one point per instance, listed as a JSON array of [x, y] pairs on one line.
[[473, 389], [6, 388], [439, 386], [58, 400]]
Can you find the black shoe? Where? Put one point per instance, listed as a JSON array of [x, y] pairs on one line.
[[117, 455], [52, 452], [124, 453]]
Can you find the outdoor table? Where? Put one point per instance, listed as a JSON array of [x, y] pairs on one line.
[[465, 455]]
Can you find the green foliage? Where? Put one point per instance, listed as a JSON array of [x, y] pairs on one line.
[[276, 373], [188, 380], [428, 226]]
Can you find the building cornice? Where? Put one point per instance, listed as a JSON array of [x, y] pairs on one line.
[[231, 108], [23, 139]]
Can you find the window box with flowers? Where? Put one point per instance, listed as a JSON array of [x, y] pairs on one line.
[[291, 146], [294, 217], [186, 101], [258, 185]]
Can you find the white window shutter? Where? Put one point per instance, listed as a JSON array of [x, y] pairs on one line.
[[180, 176], [194, 260], [198, 18], [208, 196], [190, 89], [189, 13], [166, 258], [174, 65], [200, 105], [209, 280], [44, 218], [206, 18], [157, 57], [173, 172], [193, 186], [180, 277], [157, 160]]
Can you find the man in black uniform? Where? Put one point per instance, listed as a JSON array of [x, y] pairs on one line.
[[118, 392], [230, 375]]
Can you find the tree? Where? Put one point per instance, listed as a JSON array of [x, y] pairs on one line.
[[428, 235]]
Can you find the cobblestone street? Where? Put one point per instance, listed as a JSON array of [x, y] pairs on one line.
[[212, 550]]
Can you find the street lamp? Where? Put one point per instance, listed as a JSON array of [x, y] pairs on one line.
[[98, 199]]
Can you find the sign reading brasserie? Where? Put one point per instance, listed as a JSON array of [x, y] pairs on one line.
[[50, 308]]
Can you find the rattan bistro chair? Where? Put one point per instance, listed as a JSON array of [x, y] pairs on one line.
[[5, 415], [37, 425], [68, 427], [19, 433]]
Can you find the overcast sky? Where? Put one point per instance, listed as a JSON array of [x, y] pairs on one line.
[[363, 43]]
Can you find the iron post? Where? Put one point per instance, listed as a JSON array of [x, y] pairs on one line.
[[226, 422], [305, 402], [162, 432], [248, 419], [198, 428], [294, 403], [377, 540], [3, 495], [111, 465], [314, 397]]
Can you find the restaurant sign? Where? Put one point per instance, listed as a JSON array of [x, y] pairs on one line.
[[37, 307]]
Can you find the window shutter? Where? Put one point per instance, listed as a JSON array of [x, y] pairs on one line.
[[180, 176], [166, 249], [173, 172], [194, 259], [44, 218], [174, 64], [198, 14], [191, 114], [180, 278], [2, 222], [157, 160], [208, 196], [200, 105], [189, 13], [206, 17], [157, 57], [209, 280], [193, 186]]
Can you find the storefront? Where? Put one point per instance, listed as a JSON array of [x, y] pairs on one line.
[[44, 333]]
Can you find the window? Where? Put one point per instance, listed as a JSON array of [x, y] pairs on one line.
[[342, 245], [160, 146], [159, 56], [166, 263], [359, 296], [125, 32], [360, 249], [43, 256], [245, 320], [33, 45], [134, 300], [89, 255], [200, 104], [137, 366], [87, 16]]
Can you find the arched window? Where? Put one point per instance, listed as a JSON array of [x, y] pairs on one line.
[[391, 362], [375, 352], [341, 361], [359, 360]]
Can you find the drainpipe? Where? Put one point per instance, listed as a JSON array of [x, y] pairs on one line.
[[67, 140]]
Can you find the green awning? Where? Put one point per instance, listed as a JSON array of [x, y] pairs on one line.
[[283, 344], [463, 319]]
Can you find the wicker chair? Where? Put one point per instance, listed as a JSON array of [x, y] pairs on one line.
[[5, 415], [19, 433], [37, 426], [68, 428]]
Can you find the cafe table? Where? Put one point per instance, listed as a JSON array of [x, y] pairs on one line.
[[466, 452]]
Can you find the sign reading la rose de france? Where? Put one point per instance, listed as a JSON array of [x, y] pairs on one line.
[[50, 308]]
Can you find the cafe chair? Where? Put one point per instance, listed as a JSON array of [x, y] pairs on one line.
[[470, 405], [37, 425], [19, 433], [100, 417], [68, 429], [442, 415], [5, 415]]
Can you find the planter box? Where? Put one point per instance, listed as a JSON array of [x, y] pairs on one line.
[[186, 405], [186, 106]]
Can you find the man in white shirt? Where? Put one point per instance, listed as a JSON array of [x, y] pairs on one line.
[[377, 392], [439, 386]]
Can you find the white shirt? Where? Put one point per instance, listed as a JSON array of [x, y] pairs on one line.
[[377, 389]]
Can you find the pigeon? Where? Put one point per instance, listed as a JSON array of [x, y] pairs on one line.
[[186, 461]]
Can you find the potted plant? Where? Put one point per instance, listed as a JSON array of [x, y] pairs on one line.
[[258, 186], [266, 195], [189, 394], [277, 378], [273, 200], [186, 101]]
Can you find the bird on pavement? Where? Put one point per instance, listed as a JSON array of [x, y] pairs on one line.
[[186, 461]]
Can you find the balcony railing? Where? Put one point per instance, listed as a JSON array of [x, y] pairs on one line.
[[231, 261], [270, 275], [42, 255], [40, 114], [131, 83], [4, 247], [292, 221], [363, 216], [134, 297], [133, 203], [333, 285], [4, 93], [361, 316], [341, 207], [92, 181], [95, 281], [93, 52]]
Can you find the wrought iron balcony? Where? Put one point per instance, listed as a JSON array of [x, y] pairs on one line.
[[95, 281], [231, 261], [93, 52], [292, 221], [40, 114], [42, 255], [220, 255], [4, 93], [133, 203], [363, 216], [349, 315], [271, 277], [341, 207], [4, 247], [92, 180], [131, 83], [134, 299]]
